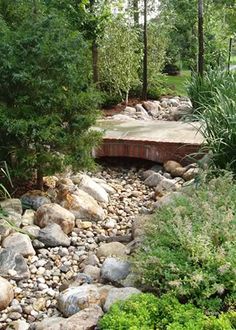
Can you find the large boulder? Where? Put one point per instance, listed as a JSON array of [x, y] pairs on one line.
[[93, 189], [34, 199], [83, 206], [19, 243], [6, 293], [74, 299], [116, 249], [13, 265], [54, 213], [114, 270], [117, 294], [52, 235], [86, 319]]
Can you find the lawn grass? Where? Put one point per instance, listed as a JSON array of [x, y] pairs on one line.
[[178, 83]]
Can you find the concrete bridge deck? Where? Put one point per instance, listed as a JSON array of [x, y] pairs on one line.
[[158, 141]]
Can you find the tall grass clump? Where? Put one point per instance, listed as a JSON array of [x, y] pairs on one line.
[[190, 248], [202, 90], [219, 130]]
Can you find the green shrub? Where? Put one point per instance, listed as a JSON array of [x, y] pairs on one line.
[[147, 312], [46, 101], [190, 248], [157, 86], [202, 91]]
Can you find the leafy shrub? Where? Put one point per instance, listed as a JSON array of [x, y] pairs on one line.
[[157, 86], [109, 100], [202, 91], [46, 103], [190, 248], [147, 312]]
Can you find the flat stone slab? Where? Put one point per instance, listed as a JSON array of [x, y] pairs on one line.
[[158, 141], [157, 131]]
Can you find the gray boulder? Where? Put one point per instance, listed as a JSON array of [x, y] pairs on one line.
[[52, 235], [117, 294], [114, 270], [13, 265]]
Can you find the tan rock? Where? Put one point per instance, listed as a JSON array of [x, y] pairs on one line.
[[174, 168], [6, 293], [116, 249], [191, 174], [82, 205], [20, 243], [54, 213]]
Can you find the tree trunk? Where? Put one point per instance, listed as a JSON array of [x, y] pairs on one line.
[[94, 48], [230, 51], [95, 62], [136, 12], [145, 54], [39, 179], [200, 39]]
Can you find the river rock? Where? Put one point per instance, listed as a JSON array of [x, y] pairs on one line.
[[52, 235], [13, 265], [166, 185], [116, 249], [190, 174], [93, 189], [74, 299], [32, 231], [174, 168], [129, 111], [28, 217], [83, 206], [153, 180], [34, 199], [54, 213], [167, 199], [12, 205], [110, 190], [18, 325], [6, 293], [114, 270], [86, 319], [19, 243], [141, 112], [92, 271], [117, 294], [139, 226]]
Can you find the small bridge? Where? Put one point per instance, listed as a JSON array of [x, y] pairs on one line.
[[157, 141]]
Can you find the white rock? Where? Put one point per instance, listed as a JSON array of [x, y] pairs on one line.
[[20, 243], [93, 189]]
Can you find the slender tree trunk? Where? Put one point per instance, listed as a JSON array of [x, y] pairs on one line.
[[230, 51], [95, 62], [136, 12], [94, 48], [39, 179], [145, 53], [200, 39]]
